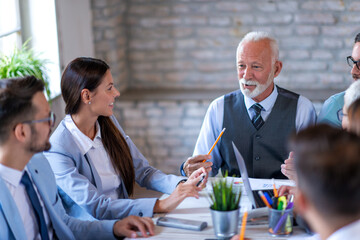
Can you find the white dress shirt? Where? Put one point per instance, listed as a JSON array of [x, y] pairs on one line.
[[213, 121], [12, 178], [98, 155]]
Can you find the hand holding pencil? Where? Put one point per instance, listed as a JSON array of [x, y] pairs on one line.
[[196, 162]]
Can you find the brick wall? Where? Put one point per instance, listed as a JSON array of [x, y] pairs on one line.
[[190, 44]]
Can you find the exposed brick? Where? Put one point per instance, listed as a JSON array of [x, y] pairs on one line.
[[233, 6], [220, 21], [332, 43], [322, 54], [354, 6], [266, 6], [307, 30], [337, 31], [287, 6], [274, 18], [318, 18], [299, 54], [323, 5]]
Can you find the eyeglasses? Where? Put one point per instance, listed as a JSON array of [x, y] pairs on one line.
[[352, 62], [50, 120], [340, 115]]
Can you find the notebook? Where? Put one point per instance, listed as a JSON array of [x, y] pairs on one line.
[[252, 195]]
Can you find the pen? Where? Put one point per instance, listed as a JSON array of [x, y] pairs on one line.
[[243, 226], [268, 198], [201, 180], [261, 194], [222, 132], [274, 188], [274, 202]]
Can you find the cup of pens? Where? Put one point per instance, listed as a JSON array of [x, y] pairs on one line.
[[280, 222], [280, 213]]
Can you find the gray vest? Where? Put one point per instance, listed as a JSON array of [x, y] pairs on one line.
[[263, 150]]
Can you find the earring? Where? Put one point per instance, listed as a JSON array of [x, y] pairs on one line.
[[89, 103]]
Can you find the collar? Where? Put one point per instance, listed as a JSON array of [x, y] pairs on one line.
[[83, 141], [10, 175], [267, 103]]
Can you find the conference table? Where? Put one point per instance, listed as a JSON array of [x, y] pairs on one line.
[[198, 209]]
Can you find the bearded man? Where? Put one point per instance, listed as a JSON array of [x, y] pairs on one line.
[[259, 117]]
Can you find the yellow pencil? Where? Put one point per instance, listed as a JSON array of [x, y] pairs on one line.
[[243, 226], [222, 132]]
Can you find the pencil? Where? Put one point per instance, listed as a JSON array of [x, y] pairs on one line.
[[263, 198], [274, 188], [222, 132], [243, 226]]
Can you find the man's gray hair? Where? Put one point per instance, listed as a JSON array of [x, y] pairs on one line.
[[258, 36], [352, 94]]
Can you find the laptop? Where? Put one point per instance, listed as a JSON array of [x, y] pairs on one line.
[[252, 195]]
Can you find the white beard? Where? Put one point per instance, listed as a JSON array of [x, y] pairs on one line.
[[259, 89]]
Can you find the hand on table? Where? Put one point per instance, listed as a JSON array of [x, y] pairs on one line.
[[128, 226], [196, 162], [182, 191]]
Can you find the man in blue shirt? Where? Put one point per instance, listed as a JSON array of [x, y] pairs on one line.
[[30, 207], [258, 118], [334, 104]]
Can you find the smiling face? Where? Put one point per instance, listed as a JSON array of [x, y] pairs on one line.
[[256, 69], [103, 97]]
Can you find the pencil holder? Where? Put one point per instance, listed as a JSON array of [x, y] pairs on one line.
[[225, 223], [280, 222]]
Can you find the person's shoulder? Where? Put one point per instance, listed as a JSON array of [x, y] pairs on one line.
[[287, 93], [338, 97]]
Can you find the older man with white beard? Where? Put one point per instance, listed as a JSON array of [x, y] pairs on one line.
[[258, 118]]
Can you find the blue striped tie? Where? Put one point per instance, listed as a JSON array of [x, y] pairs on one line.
[[257, 120], [36, 206]]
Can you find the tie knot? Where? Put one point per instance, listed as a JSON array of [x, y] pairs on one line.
[[257, 107], [25, 179]]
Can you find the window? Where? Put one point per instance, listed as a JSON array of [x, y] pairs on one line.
[[10, 27], [34, 20]]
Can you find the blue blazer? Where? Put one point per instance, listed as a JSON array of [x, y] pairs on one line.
[[65, 227], [78, 178]]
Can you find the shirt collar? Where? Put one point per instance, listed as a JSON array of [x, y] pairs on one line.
[[267, 103], [11, 175], [83, 141]]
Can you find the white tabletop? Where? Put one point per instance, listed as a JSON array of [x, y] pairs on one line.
[[198, 209]]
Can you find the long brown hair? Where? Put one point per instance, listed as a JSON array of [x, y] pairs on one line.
[[87, 73]]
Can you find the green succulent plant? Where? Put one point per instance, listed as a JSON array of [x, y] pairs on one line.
[[223, 196], [24, 62]]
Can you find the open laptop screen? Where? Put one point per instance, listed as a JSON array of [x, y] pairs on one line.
[[252, 195]]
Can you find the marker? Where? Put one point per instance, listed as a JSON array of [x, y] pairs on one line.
[[281, 203], [201, 180], [261, 194]]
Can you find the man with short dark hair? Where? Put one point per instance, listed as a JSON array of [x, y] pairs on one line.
[[328, 167], [334, 104], [30, 207]]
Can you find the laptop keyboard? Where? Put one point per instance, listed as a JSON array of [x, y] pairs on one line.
[[259, 202]]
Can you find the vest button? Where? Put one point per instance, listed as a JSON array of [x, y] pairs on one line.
[[257, 158], [141, 214], [257, 136]]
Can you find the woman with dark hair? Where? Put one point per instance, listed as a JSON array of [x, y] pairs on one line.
[[95, 163]]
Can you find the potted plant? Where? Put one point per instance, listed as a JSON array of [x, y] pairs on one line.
[[24, 62], [224, 207]]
